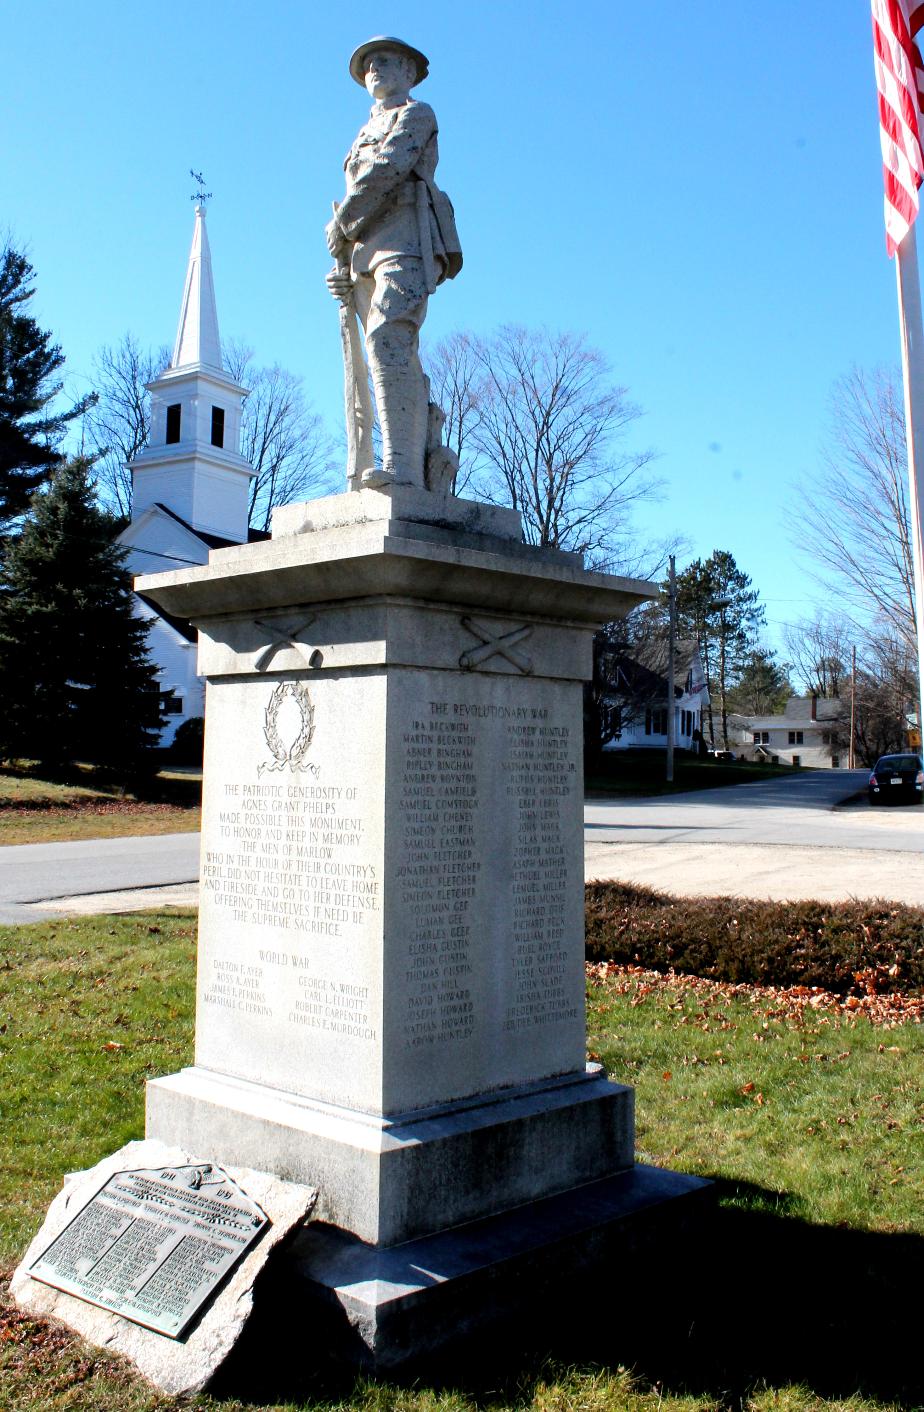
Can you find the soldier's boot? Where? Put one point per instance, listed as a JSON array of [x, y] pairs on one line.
[[401, 400]]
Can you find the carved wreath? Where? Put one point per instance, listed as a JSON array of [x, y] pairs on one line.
[[294, 754]]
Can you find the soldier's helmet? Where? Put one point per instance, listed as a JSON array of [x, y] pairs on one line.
[[387, 41]]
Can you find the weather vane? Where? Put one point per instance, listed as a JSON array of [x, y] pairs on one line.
[[199, 179]]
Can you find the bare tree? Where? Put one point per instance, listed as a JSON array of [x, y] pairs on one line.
[[854, 521], [549, 428], [884, 689], [456, 369], [819, 649], [117, 427], [281, 437], [538, 425]]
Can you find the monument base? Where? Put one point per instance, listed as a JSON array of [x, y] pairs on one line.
[[389, 1310], [391, 1180]]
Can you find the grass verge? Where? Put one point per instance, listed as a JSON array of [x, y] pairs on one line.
[[801, 1294], [84, 805], [640, 773]]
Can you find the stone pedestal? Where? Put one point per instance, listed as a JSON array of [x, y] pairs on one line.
[[390, 1001]]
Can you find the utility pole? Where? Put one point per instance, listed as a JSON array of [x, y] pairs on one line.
[[721, 604], [852, 752], [671, 644]]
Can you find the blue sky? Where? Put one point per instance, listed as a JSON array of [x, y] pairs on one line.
[[695, 188]]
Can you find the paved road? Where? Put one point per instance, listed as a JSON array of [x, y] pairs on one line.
[[41, 872], [787, 838], [781, 838], [798, 809]]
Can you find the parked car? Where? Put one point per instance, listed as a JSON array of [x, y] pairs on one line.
[[897, 779]]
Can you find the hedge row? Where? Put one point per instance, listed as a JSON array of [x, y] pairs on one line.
[[845, 947]]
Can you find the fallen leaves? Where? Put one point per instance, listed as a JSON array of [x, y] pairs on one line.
[[771, 1002]]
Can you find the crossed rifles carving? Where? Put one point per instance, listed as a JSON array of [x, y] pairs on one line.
[[493, 644], [286, 637]]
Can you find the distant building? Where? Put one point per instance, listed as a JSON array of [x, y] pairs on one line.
[[190, 485], [812, 730], [638, 703]]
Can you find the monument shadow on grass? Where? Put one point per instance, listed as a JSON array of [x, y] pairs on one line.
[[747, 1295]]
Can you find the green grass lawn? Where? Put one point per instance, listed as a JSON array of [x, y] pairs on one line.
[[639, 773], [801, 1292], [34, 809]]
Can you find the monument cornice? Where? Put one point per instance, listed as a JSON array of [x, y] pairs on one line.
[[395, 560]]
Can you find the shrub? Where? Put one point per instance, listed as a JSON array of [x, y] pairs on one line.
[[186, 747], [841, 946]]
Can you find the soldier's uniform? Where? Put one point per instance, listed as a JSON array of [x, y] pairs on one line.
[[404, 243]]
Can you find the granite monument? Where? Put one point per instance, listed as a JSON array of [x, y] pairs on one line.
[[390, 991]]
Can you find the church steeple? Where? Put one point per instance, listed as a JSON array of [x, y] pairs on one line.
[[197, 339], [192, 464]]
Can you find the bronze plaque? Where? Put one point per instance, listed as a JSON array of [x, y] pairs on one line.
[[154, 1244]]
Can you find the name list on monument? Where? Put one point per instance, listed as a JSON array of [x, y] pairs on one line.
[[444, 887], [153, 1245], [483, 801]]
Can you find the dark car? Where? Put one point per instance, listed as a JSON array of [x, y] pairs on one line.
[[897, 779]]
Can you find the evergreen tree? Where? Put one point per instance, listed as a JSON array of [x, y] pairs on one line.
[[762, 687], [717, 605], [29, 433], [78, 683]]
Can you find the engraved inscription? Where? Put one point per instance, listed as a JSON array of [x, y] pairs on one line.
[[539, 774], [154, 1244], [291, 857], [438, 877], [451, 753]]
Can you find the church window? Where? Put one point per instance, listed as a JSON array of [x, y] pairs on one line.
[[218, 426], [173, 422]]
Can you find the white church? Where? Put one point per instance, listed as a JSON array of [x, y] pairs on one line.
[[190, 485]]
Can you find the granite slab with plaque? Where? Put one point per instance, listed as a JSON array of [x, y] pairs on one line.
[[154, 1244]]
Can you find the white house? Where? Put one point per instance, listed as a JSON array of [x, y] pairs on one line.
[[639, 700], [190, 485], [812, 730]]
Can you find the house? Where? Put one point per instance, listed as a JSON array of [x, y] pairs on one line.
[[638, 701], [812, 730], [190, 485]]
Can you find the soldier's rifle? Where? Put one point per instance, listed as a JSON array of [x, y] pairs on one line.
[[356, 398]]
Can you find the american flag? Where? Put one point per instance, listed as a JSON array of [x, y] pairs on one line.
[[900, 80]]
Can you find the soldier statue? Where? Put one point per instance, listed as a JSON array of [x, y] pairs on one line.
[[394, 239]]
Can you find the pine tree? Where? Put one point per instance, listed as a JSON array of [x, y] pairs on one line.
[[29, 433], [763, 686], [78, 684], [717, 605]]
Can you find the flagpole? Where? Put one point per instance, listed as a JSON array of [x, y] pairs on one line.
[[911, 327]]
